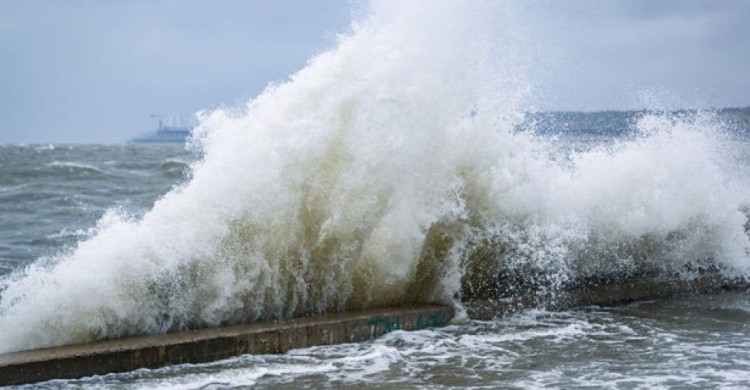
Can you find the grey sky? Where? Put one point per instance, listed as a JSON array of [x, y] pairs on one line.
[[600, 54], [93, 71]]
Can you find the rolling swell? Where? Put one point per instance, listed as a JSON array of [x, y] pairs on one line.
[[390, 171]]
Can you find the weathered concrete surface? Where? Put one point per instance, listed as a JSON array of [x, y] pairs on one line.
[[206, 345], [278, 337], [604, 294]]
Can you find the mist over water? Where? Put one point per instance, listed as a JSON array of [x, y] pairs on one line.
[[391, 170]]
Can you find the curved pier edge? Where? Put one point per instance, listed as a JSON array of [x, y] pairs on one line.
[[205, 345], [212, 344], [597, 293]]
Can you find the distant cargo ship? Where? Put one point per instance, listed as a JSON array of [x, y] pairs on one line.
[[165, 135], [592, 123], [175, 132]]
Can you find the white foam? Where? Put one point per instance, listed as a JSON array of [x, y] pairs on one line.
[[372, 177], [75, 166]]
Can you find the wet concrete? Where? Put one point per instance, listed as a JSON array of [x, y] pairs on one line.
[[206, 345], [603, 293], [278, 337]]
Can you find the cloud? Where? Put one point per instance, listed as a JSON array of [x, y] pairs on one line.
[[604, 54], [93, 71]]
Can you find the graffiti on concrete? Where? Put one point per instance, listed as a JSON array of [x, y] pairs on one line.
[[434, 319], [381, 325], [387, 325]]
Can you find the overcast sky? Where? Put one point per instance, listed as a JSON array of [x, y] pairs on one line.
[[92, 71]]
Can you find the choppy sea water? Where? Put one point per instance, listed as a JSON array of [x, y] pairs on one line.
[[52, 197], [392, 170], [690, 342]]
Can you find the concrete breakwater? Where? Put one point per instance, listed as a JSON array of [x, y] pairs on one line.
[[211, 344], [278, 337], [598, 292]]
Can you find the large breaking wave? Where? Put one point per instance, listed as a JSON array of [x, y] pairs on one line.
[[389, 170]]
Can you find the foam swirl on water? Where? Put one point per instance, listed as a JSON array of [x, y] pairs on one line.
[[387, 171]]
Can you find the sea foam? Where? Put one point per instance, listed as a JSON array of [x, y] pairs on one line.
[[389, 170]]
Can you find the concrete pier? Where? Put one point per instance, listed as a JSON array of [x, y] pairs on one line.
[[207, 345], [277, 337], [603, 294]]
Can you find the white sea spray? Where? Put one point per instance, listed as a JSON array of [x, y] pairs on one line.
[[387, 171]]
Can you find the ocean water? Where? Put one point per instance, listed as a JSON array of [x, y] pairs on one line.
[[694, 342], [54, 197], [51, 196], [391, 170]]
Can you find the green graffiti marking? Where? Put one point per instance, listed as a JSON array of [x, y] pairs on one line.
[[435, 319], [438, 318], [381, 325], [388, 326], [420, 324]]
